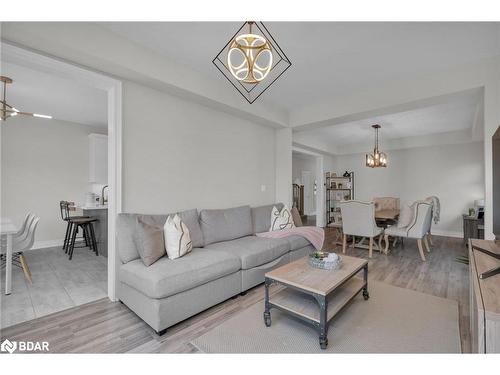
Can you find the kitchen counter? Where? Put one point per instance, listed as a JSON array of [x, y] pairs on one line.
[[100, 213], [88, 207]]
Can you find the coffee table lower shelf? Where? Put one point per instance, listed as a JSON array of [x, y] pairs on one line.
[[309, 307]]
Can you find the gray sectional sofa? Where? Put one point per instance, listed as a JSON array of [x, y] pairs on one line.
[[227, 259]]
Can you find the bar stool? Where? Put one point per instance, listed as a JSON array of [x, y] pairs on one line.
[[88, 233], [65, 207]]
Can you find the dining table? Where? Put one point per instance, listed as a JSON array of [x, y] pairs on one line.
[[8, 229], [390, 214]]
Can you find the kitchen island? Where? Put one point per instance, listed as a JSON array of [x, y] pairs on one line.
[[100, 212]]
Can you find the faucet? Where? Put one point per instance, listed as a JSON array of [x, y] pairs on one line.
[[103, 200]]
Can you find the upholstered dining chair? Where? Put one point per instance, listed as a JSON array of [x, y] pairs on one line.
[[358, 219], [418, 228], [386, 203]]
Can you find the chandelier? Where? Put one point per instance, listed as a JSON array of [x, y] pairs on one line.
[[252, 60], [378, 158], [244, 55], [6, 110]]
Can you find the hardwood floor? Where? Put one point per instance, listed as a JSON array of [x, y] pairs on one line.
[[106, 327]]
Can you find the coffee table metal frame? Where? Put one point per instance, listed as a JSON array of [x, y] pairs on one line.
[[322, 301]]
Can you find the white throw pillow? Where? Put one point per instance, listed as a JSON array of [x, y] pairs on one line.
[[406, 215], [281, 219], [177, 238]]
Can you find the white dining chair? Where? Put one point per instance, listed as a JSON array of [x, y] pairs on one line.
[[23, 230], [22, 243], [358, 219], [418, 228]]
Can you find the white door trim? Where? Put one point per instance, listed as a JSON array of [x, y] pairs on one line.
[[113, 87]]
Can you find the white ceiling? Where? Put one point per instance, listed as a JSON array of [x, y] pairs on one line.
[[41, 92], [452, 115], [329, 58], [302, 156]]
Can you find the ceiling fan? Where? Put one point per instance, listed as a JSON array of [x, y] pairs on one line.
[[6, 110]]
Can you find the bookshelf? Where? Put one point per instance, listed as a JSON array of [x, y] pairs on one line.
[[338, 188]]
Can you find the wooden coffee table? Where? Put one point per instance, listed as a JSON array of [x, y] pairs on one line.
[[315, 295]]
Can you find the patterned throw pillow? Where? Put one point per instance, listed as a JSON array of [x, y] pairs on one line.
[[177, 238], [281, 219]]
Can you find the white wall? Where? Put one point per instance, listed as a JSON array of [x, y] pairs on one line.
[[180, 155], [43, 162], [454, 173], [301, 163], [283, 166]]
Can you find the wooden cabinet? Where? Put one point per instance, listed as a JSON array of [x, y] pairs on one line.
[[98, 159], [484, 299], [473, 228]]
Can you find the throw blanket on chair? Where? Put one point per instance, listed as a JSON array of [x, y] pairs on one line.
[[436, 208], [315, 235]]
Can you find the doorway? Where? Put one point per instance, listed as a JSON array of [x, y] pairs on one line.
[[29, 63], [307, 172]]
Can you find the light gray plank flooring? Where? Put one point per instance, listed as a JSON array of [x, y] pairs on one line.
[[107, 327], [58, 284]]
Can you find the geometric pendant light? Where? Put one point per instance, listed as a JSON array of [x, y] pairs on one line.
[[252, 60]]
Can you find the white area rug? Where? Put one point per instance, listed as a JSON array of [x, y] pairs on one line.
[[393, 320]]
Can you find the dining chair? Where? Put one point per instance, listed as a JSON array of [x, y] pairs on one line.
[[22, 243], [418, 229], [386, 203], [23, 231], [358, 219], [65, 208]]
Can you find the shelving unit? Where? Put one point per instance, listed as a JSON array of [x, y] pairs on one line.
[[338, 188]]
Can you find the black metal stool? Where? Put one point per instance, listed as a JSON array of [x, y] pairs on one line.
[[65, 208], [88, 233]]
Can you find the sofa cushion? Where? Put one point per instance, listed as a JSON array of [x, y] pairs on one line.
[[168, 277], [125, 228], [149, 241], [297, 242], [253, 251], [225, 225], [261, 217]]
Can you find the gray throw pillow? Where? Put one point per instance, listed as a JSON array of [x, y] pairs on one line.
[[297, 220], [149, 241]]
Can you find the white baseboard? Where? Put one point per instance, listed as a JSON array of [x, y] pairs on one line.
[[47, 243], [447, 233]]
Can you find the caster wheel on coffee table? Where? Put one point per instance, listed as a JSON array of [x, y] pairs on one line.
[[366, 295], [267, 319], [323, 342]]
